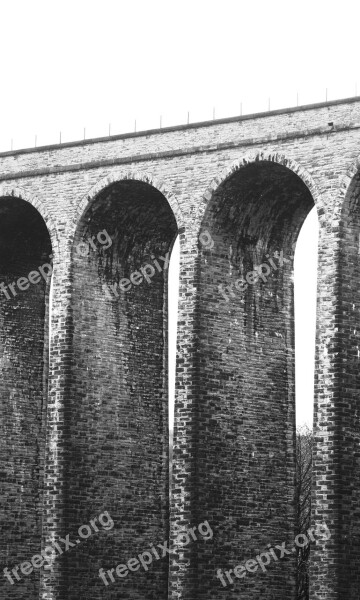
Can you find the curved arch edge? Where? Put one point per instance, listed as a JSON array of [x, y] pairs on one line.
[[7, 190], [348, 179], [263, 156], [118, 176]]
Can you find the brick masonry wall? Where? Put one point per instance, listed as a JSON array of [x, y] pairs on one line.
[[336, 405], [118, 413], [93, 451], [246, 421], [25, 244], [349, 426]]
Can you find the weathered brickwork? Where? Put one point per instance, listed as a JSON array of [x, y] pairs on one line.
[[25, 244], [84, 403], [118, 397], [248, 463]]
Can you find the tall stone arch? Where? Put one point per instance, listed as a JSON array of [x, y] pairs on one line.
[[335, 572], [124, 175], [27, 240], [117, 406], [239, 470]]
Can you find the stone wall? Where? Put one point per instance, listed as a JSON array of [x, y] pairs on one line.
[[94, 396]]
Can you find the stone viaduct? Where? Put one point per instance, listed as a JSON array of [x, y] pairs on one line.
[[84, 401]]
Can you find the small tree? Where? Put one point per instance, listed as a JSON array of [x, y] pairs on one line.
[[304, 449]]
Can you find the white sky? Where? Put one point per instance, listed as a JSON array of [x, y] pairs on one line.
[[69, 65]]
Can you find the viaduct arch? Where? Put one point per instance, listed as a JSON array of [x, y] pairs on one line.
[[83, 381]]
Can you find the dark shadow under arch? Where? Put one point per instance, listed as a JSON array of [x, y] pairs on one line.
[[118, 402], [246, 407], [24, 336]]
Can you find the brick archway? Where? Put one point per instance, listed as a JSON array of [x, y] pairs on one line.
[[263, 156], [119, 372], [246, 361], [118, 176], [18, 192], [25, 246]]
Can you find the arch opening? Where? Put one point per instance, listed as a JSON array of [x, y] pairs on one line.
[[305, 294], [174, 275], [305, 284], [246, 421], [118, 412], [25, 271]]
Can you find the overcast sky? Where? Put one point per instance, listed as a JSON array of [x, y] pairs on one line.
[[69, 65], [66, 66]]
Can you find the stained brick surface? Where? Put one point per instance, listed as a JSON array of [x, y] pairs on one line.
[[25, 245], [246, 371], [118, 414], [91, 401]]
